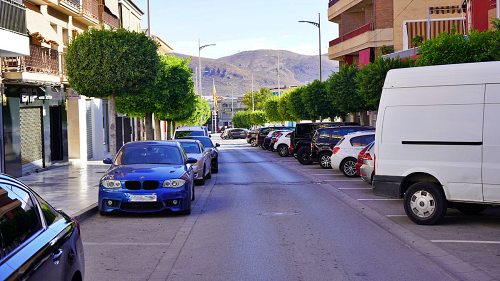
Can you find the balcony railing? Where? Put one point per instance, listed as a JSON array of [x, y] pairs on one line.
[[41, 60], [13, 16], [360, 30], [332, 2], [75, 4], [91, 8]]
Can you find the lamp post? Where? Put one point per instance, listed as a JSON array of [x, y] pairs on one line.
[[318, 25], [199, 64]]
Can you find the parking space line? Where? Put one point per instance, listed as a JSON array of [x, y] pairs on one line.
[[331, 174], [395, 216], [380, 199], [123, 244], [466, 241], [354, 188]]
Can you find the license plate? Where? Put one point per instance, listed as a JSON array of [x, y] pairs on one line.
[[143, 198]]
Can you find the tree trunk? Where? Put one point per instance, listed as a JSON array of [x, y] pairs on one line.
[[137, 129], [112, 126], [148, 124], [157, 128], [364, 118], [169, 128]]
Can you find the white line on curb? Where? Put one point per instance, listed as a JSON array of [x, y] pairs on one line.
[[466, 241], [381, 199], [123, 244], [353, 188]]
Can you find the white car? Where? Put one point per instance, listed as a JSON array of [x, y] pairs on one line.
[[282, 145], [195, 149], [191, 131], [345, 153], [367, 171]]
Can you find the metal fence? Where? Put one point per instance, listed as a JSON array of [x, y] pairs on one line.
[[41, 60]]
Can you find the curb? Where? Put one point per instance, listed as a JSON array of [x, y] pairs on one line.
[[86, 213]]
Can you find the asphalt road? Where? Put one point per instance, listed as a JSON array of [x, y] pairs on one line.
[[263, 217]]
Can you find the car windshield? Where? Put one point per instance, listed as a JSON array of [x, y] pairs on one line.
[[206, 142], [190, 147], [149, 154], [182, 134]]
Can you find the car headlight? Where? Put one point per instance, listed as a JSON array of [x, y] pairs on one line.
[[174, 183], [111, 183]]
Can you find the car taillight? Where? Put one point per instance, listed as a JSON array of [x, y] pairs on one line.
[[367, 156], [336, 150]]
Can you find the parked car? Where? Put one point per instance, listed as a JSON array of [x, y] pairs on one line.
[[300, 140], [359, 161], [189, 131], [235, 133], [367, 170], [325, 139], [148, 176], [214, 152], [202, 168], [268, 140], [263, 132], [438, 139], [252, 137], [283, 143], [347, 149], [37, 242]]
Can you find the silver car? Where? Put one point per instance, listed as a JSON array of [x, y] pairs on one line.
[[367, 169], [195, 149]]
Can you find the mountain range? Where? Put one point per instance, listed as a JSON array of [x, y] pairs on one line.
[[233, 74]]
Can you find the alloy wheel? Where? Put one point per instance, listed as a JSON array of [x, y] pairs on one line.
[[325, 161], [422, 204], [349, 168]]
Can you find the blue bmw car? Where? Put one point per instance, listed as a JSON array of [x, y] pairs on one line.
[[148, 176]]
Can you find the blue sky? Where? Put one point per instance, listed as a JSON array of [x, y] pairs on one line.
[[240, 25]]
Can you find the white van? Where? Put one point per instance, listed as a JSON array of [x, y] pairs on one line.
[[438, 139], [190, 131]]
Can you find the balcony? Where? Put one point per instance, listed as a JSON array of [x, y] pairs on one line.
[[73, 5], [90, 11], [13, 31], [337, 7], [42, 65], [360, 30]]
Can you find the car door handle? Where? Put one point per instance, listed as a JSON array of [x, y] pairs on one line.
[[56, 255]]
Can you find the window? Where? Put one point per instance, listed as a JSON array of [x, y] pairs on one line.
[[183, 134], [18, 218], [49, 214], [324, 135], [150, 154], [190, 147], [362, 140]]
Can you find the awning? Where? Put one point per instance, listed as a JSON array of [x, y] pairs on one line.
[[40, 28], [112, 5]]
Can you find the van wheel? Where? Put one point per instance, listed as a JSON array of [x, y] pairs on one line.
[[470, 209], [425, 203], [283, 150], [325, 160], [304, 155], [348, 167], [253, 142]]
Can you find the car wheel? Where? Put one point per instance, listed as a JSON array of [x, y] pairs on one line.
[[202, 180], [215, 166], [304, 155], [325, 160], [470, 209], [283, 150], [253, 142], [209, 175], [348, 167], [425, 203], [193, 195]]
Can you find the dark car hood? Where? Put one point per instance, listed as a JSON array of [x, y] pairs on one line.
[[149, 171]]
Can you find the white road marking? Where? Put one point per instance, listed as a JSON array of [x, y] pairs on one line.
[[331, 174], [124, 244], [396, 216], [354, 188], [380, 199], [466, 241]]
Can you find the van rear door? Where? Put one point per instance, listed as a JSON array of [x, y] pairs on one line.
[[491, 144]]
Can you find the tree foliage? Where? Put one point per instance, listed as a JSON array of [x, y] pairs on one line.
[[342, 90], [284, 109], [370, 80], [248, 118], [298, 108], [271, 109], [316, 100], [201, 113], [457, 48], [103, 63], [260, 97]]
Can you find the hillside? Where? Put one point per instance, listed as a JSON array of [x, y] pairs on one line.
[[234, 73]]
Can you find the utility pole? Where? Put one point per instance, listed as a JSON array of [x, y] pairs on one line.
[[253, 102], [318, 25], [199, 64], [149, 20], [232, 106], [279, 87]]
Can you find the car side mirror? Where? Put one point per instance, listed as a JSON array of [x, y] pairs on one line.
[[191, 160], [217, 145], [210, 136], [107, 161]]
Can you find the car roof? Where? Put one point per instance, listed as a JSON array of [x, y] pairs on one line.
[[360, 133], [190, 128], [187, 140], [139, 143], [347, 127]]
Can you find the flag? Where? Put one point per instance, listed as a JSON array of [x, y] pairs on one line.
[[214, 92]]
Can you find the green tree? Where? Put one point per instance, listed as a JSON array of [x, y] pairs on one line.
[[201, 113], [257, 117], [260, 97], [241, 119], [298, 109], [457, 48], [370, 80], [283, 107], [271, 109], [316, 100], [104, 63], [342, 90]]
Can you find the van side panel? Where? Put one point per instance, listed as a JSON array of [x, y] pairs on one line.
[[437, 131], [491, 149]]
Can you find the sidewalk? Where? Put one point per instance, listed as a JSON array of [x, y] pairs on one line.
[[71, 188]]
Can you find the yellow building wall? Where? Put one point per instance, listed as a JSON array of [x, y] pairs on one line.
[[416, 10]]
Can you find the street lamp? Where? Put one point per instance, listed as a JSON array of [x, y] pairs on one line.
[[318, 25], [199, 64]]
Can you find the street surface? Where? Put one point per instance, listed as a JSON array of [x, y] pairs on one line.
[[263, 217]]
